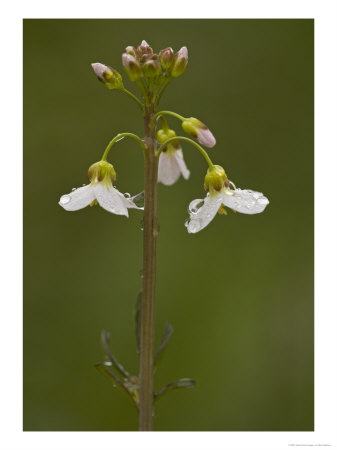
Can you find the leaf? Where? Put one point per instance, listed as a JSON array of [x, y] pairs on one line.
[[117, 382], [181, 383], [167, 333], [105, 338], [137, 319]]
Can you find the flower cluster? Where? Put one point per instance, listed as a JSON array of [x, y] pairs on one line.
[[141, 62], [152, 71]]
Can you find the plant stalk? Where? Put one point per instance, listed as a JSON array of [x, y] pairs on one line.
[[150, 231]]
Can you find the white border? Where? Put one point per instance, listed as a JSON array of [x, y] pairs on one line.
[[324, 13]]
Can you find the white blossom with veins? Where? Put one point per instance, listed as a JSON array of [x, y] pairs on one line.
[[171, 164], [104, 193], [202, 211]]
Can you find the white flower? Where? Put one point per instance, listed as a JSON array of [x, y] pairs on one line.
[[171, 165], [202, 211], [100, 190]]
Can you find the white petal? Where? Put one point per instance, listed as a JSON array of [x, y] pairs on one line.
[[245, 201], [111, 199], [200, 218], [78, 199], [168, 169], [181, 163]]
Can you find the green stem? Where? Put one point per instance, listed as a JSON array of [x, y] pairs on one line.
[[164, 86], [136, 99], [145, 96], [164, 124], [121, 136], [147, 316], [168, 113], [183, 138]]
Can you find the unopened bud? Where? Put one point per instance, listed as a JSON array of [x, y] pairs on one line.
[[132, 67], [130, 50], [151, 68], [144, 49], [215, 179], [102, 171], [166, 58], [108, 76], [180, 62], [199, 131]]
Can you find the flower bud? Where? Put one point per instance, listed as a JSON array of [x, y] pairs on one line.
[[166, 58], [102, 171], [108, 76], [215, 179], [130, 50], [180, 62], [151, 68], [199, 131], [132, 67], [144, 49]]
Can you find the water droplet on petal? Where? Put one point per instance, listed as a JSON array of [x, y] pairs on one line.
[[74, 189], [195, 205], [127, 195], [194, 226], [65, 199]]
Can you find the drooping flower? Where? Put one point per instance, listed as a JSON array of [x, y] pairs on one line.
[[101, 191], [199, 131], [222, 192], [171, 160]]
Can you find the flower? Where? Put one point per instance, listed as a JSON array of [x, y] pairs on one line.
[[102, 175], [202, 211], [199, 131], [171, 160], [171, 165]]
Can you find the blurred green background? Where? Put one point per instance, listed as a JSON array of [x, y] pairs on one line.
[[239, 294]]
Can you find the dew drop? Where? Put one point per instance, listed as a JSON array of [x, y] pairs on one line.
[[195, 205], [127, 195], [65, 199], [74, 189]]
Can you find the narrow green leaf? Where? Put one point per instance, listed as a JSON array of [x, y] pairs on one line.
[[105, 338], [116, 381], [167, 333], [181, 383]]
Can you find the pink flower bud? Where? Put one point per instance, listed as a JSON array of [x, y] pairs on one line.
[[180, 62], [132, 67], [199, 131]]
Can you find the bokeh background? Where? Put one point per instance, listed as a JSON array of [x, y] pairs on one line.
[[239, 294]]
